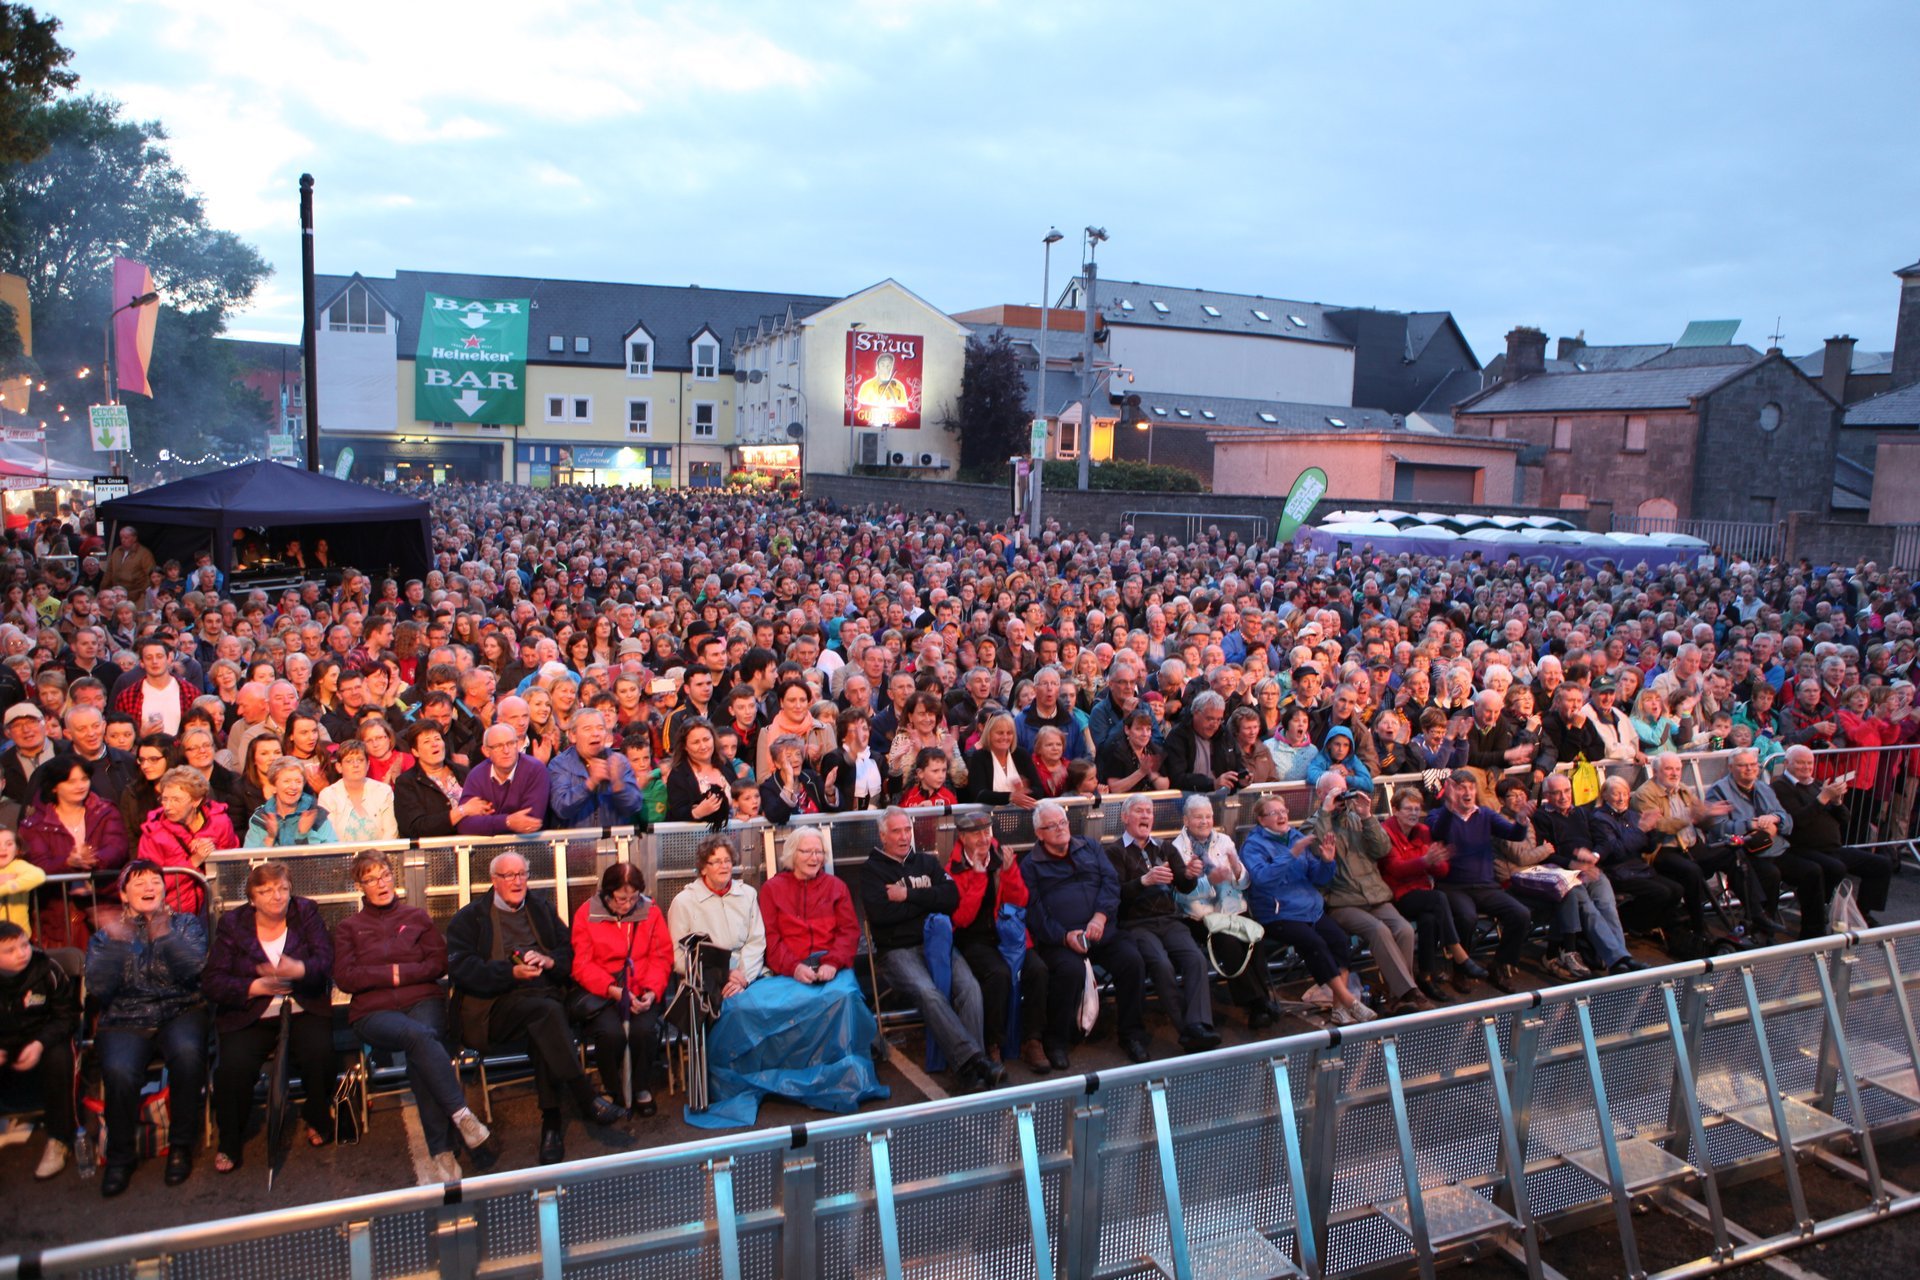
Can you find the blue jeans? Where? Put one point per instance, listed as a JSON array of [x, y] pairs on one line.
[[419, 1034], [954, 1024], [124, 1054], [1600, 917]]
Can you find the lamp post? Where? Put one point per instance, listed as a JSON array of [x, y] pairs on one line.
[[1146, 425], [1047, 242], [106, 370], [1090, 302]]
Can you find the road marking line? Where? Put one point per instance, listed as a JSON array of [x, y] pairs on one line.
[[424, 1172], [915, 1076]]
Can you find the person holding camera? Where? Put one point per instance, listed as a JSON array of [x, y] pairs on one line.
[[1816, 835]]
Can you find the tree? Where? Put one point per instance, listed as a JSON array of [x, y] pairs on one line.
[[992, 414], [31, 63], [106, 187]]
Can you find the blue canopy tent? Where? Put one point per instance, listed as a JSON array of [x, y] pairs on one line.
[[368, 528]]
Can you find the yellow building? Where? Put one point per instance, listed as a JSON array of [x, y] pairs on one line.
[[625, 384]]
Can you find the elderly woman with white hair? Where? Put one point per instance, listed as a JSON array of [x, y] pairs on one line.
[[1238, 952]]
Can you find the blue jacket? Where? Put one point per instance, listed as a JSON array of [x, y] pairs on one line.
[[1284, 884], [1472, 842], [1358, 779], [1064, 893], [289, 831], [143, 983], [1075, 732], [572, 803]]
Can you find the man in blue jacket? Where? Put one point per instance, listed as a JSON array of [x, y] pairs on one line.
[[1467, 828], [1073, 906], [587, 785]]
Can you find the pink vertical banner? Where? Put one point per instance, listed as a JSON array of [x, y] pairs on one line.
[[133, 328]]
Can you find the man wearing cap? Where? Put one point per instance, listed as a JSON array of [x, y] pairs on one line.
[[1305, 692], [28, 749], [988, 879], [899, 889], [1618, 741]]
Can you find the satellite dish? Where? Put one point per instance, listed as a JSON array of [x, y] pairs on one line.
[[795, 431], [755, 376]]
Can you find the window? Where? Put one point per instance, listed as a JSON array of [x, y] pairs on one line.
[[706, 359], [1126, 304], [1636, 441], [1267, 417], [1210, 310], [1562, 434], [1573, 502], [357, 311], [705, 415], [1336, 422], [556, 344], [582, 409], [1499, 428], [640, 357], [556, 408], [1298, 322], [1160, 306], [1066, 442], [1657, 509], [581, 346], [569, 408], [1769, 416], [639, 419], [1207, 414], [1262, 316]]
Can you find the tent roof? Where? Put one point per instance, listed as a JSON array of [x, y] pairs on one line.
[[263, 493]]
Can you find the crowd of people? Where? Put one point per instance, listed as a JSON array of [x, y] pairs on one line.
[[601, 658]]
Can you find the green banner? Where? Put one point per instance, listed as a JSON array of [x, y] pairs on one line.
[[471, 365], [1308, 489]]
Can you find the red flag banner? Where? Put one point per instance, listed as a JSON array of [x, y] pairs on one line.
[[132, 328]]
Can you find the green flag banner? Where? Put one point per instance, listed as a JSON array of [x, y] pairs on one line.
[[1308, 489], [471, 365]]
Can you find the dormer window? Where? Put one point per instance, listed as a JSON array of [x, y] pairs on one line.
[[706, 356], [357, 311]]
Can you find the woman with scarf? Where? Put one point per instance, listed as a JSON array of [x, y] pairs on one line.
[[622, 958]]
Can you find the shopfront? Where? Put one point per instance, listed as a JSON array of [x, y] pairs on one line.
[[413, 460], [779, 461], [543, 466]]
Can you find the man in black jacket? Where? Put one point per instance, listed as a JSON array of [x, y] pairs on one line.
[[899, 888], [1566, 732], [1151, 872], [1818, 836], [1199, 755], [39, 1010], [509, 956]]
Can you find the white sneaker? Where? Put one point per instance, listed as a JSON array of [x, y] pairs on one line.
[[472, 1132], [52, 1160], [1349, 1014], [447, 1167], [1575, 965], [1319, 995]]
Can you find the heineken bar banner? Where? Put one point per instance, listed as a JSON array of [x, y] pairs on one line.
[[883, 379], [471, 365]]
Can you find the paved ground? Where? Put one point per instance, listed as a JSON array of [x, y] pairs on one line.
[[66, 1210]]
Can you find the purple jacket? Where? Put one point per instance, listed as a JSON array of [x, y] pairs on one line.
[[231, 964], [526, 789]]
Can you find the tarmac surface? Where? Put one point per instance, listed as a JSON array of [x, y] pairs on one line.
[[36, 1215]]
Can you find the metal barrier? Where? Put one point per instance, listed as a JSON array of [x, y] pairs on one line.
[[1390, 1149]]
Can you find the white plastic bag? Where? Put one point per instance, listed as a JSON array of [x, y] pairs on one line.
[[1089, 1001], [1844, 914]]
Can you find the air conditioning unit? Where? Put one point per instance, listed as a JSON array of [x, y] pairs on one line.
[[869, 449], [898, 459], [932, 460]]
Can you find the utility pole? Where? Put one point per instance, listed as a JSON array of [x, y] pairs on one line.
[[1037, 448], [310, 351], [1090, 301]]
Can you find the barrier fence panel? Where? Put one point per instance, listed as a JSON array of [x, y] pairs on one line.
[[1396, 1148]]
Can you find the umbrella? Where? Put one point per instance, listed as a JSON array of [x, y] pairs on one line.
[[277, 1095]]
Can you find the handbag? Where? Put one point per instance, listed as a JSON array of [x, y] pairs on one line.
[[1586, 782], [1243, 929]]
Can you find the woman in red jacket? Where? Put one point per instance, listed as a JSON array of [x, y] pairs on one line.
[[622, 956], [812, 933], [1411, 864], [185, 831], [988, 877]]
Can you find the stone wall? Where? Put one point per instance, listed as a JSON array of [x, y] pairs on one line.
[[1822, 541], [1098, 511]]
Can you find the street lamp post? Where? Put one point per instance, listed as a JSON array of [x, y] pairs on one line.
[[1090, 302], [106, 370], [1038, 461]]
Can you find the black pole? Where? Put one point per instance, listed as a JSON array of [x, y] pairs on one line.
[[308, 341]]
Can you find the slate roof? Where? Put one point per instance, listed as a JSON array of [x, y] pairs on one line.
[[1693, 357], [1186, 308], [1287, 415], [1461, 384], [1893, 409], [1601, 392], [1865, 363], [601, 312], [1612, 358]]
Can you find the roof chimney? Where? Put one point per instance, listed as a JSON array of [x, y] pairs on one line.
[[1835, 368], [1906, 330], [1570, 348], [1527, 352]]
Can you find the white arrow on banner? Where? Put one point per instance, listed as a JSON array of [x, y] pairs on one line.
[[469, 402], [473, 321]]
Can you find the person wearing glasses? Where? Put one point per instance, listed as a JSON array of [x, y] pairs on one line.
[[510, 957], [389, 957]]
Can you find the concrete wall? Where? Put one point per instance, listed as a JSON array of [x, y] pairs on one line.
[[1242, 366], [358, 376], [885, 308], [1360, 466]]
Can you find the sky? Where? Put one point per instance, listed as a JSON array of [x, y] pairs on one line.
[[1615, 170]]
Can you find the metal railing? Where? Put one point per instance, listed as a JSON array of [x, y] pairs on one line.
[[1389, 1149], [1754, 540]]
